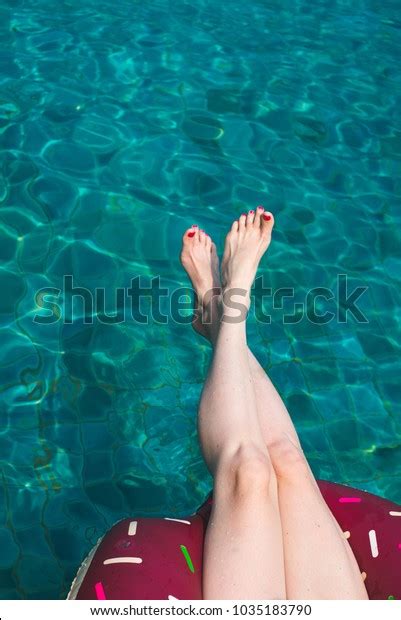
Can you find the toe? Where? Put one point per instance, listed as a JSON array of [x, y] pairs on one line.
[[258, 214], [235, 226], [250, 217], [242, 221], [202, 236], [267, 222], [208, 241], [189, 235]]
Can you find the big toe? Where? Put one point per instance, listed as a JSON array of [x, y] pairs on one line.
[[190, 235], [267, 223]]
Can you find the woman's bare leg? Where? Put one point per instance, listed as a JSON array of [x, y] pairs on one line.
[[243, 552], [319, 562]]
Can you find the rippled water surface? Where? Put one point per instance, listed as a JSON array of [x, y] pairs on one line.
[[122, 123]]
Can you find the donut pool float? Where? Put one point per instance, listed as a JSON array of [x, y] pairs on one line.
[[161, 558]]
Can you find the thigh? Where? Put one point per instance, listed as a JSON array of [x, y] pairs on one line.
[[319, 563], [243, 551]]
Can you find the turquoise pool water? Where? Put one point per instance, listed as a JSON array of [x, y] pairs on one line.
[[122, 123]]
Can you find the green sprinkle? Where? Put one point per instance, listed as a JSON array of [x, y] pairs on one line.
[[391, 598], [187, 557]]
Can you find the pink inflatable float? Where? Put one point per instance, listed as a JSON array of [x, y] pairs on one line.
[[149, 558]]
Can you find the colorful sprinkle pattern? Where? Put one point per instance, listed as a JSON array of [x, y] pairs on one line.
[[187, 558], [150, 558], [100, 595]]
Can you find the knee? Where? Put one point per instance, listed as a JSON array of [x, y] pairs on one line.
[[288, 458], [248, 470]]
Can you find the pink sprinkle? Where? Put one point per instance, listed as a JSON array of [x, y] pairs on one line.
[[349, 500], [399, 545], [100, 591]]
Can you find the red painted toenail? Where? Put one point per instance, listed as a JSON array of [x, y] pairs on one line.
[[251, 211], [260, 207], [194, 225], [267, 217], [243, 214], [191, 234]]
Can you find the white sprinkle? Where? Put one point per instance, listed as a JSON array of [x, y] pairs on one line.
[[178, 520], [132, 528], [123, 561], [347, 534], [172, 598], [373, 543], [394, 513]]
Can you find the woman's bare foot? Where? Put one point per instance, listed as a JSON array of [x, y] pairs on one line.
[[200, 261], [246, 243]]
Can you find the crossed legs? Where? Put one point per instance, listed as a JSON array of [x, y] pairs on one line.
[[270, 534]]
